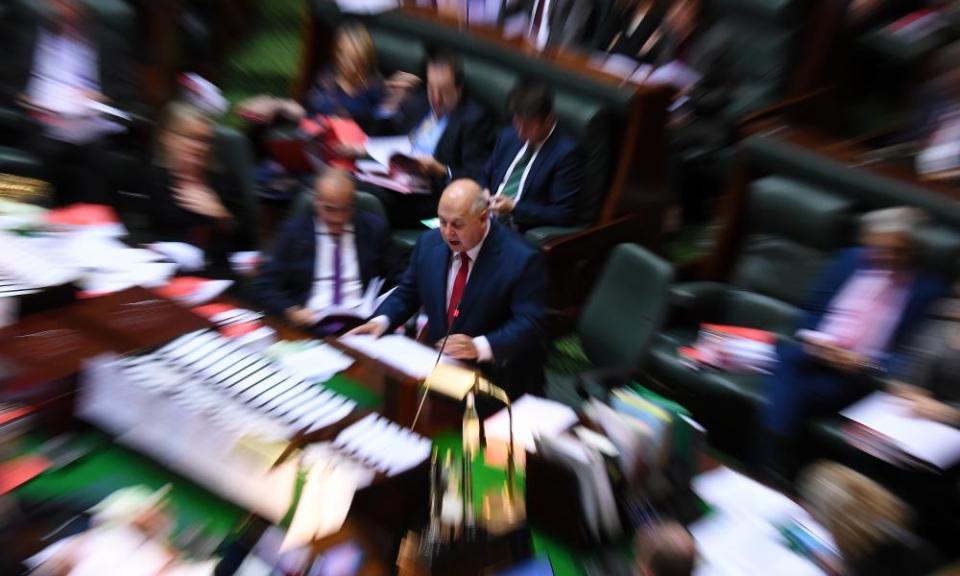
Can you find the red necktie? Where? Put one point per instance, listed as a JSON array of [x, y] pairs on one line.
[[459, 283]]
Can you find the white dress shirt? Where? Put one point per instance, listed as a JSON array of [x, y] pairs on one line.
[[351, 286]]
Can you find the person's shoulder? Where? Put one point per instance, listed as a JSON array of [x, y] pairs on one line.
[[564, 141], [471, 110], [514, 247], [371, 221]]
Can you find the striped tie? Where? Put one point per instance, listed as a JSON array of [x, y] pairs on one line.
[[512, 185]]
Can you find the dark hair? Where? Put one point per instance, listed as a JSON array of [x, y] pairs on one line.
[[531, 100], [449, 60]]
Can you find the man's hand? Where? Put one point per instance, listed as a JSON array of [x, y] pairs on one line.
[[431, 166], [300, 316], [838, 358], [348, 151], [460, 347], [372, 328], [397, 87], [931, 409], [907, 391], [501, 205]]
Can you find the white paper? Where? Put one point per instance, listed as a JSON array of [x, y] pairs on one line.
[[323, 507], [532, 417], [926, 440], [187, 256], [727, 546], [674, 73], [383, 148], [367, 6], [744, 498], [317, 363], [399, 352]]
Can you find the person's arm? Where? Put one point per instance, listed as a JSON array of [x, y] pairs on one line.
[[527, 311], [566, 186], [269, 282], [405, 299]]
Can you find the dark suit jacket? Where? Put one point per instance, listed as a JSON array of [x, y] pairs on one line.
[[551, 194], [465, 144], [572, 22], [612, 36], [286, 279], [924, 290], [503, 301]]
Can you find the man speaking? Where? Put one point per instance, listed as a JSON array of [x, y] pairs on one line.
[[480, 283]]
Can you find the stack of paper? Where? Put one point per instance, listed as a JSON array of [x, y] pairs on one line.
[[386, 446], [928, 441], [533, 417], [317, 362], [399, 352]]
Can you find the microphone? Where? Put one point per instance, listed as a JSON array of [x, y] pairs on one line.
[[443, 345]]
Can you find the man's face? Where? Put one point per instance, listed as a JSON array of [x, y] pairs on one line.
[[442, 89], [533, 129], [890, 251], [461, 227], [333, 204]]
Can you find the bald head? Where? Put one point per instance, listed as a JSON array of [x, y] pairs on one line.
[[463, 214], [333, 199], [665, 550]]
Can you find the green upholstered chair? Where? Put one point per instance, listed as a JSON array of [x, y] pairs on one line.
[[621, 317], [791, 231]]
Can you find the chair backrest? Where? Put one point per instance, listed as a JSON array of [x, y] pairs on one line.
[[791, 231], [232, 152], [626, 307]]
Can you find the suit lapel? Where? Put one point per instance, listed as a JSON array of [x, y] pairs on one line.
[[361, 237], [440, 266], [483, 268], [444, 150]]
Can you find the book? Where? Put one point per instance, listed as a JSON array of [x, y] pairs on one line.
[[731, 349]]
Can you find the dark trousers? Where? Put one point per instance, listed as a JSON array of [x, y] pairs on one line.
[[76, 172]]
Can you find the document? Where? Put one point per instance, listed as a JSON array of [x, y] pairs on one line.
[[384, 148], [398, 352], [324, 502], [317, 363], [928, 441], [532, 417], [730, 547], [739, 496], [187, 256]]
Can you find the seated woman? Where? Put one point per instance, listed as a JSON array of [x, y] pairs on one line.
[[930, 376], [870, 526], [192, 199]]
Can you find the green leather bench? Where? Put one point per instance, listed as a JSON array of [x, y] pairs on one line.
[[798, 208]]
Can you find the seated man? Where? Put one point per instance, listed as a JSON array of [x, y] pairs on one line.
[[325, 259], [450, 134], [481, 284], [536, 171], [866, 301], [665, 549]]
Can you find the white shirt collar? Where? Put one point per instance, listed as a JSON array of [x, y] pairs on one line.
[[321, 227]]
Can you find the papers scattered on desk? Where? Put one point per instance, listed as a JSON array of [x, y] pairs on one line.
[[367, 6], [532, 417], [245, 262], [383, 445], [315, 362], [742, 533], [928, 441], [95, 219], [187, 257], [381, 150], [398, 352], [213, 410], [742, 497], [324, 503], [727, 546]]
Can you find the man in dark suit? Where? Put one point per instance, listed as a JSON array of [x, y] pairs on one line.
[[557, 23], [536, 171], [451, 135], [480, 283], [326, 258], [856, 317]]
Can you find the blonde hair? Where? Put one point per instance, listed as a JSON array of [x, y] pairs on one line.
[[859, 513], [173, 115], [357, 37]]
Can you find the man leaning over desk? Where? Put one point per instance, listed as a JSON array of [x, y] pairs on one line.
[[326, 258], [480, 283]]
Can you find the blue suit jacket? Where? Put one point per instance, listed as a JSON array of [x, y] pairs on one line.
[[924, 290], [551, 194], [286, 279], [504, 300]]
